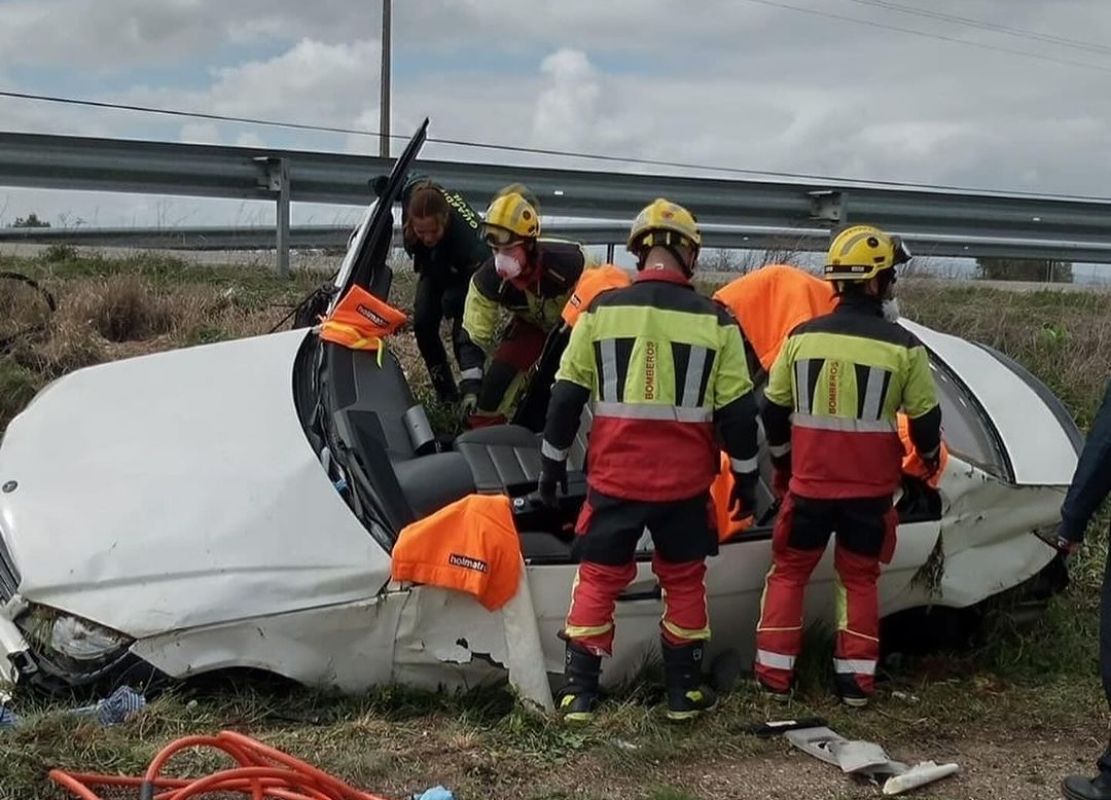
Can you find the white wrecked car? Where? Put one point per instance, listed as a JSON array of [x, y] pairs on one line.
[[235, 506]]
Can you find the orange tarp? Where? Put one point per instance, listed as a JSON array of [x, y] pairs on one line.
[[591, 284], [360, 321], [771, 301], [470, 546], [720, 491]]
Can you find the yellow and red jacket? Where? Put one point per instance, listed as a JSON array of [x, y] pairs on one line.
[[662, 365], [833, 398]]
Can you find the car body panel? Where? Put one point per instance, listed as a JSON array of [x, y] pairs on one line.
[[194, 499], [1040, 450]]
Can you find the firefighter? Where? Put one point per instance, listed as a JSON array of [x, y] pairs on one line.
[[441, 233], [830, 419], [662, 366], [529, 277], [1090, 487]]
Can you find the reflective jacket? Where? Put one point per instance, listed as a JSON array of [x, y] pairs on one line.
[[833, 395], [661, 365], [560, 265]]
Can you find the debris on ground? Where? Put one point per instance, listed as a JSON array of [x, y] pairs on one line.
[[867, 759], [435, 793], [118, 707]]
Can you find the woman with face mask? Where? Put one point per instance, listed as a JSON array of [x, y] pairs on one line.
[[441, 234], [529, 277]]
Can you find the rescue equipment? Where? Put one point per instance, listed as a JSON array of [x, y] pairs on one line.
[[471, 546], [361, 321]]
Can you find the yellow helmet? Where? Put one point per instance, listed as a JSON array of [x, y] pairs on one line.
[[861, 252], [666, 224], [513, 215]]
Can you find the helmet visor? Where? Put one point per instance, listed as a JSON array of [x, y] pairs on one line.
[[499, 237]]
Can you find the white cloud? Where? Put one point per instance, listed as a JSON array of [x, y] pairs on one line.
[[566, 110]]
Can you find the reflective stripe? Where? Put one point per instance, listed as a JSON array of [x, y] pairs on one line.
[[690, 634], [802, 386], [472, 374], [873, 394], [552, 452], [653, 411], [766, 658], [854, 666], [696, 365], [843, 424], [778, 450], [744, 464], [583, 631], [609, 370]]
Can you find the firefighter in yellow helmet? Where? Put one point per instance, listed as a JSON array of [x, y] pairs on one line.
[[833, 395], [664, 370], [529, 277]]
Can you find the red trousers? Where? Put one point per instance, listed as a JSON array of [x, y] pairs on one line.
[[505, 376], [609, 529], [865, 530]]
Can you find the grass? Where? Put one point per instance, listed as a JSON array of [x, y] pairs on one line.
[[1033, 680]]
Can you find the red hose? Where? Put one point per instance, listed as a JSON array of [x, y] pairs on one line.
[[261, 772]]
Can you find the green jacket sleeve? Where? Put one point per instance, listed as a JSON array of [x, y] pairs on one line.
[[577, 363], [480, 315]]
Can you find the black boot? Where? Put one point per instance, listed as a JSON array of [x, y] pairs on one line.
[[850, 692], [1077, 787], [444, 383], [687, 696], [579, 696]]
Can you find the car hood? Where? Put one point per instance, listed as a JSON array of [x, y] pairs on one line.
[[1039, 437], [176, 490]]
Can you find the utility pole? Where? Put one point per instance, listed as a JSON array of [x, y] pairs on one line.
[[384, 122]]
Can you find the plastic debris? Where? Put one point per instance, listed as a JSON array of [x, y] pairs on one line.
[[435, 793], [918, 775], [8, 718], [867, 759], [116, 708]]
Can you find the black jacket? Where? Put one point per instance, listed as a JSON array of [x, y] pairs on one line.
[[1092, 482]]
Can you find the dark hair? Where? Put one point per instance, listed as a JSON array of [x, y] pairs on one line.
[[425, 200]]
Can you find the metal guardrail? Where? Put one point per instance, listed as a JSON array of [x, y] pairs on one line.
[[312, 237], [935, 221]]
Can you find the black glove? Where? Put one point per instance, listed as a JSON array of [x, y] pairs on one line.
[[552, 473], [742, 501]]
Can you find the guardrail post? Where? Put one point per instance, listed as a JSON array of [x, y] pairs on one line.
[[610, 252], [276, 179], [830, 206]]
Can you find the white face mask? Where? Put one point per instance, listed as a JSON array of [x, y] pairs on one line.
[[507, 266], [891, 309]]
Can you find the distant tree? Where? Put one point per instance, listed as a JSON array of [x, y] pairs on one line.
[[1024, 269], [30, 221]]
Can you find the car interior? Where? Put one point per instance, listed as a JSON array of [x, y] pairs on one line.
[[414, 472]]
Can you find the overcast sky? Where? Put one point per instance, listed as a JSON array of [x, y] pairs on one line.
[[737, 83]]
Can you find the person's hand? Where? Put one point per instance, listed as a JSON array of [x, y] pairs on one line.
[[553, 473], [1067, 547], [742, 500], [468, 405]]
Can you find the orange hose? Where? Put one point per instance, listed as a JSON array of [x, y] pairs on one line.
[[261, 772]]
